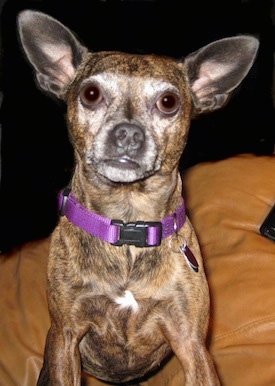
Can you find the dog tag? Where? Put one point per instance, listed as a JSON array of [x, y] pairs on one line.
[[189, 257]]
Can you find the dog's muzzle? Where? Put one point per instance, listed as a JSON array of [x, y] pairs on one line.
[[125, 152]]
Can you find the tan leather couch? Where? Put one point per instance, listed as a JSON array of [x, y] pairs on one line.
[[227, 201]]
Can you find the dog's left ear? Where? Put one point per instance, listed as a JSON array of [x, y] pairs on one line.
[[217, 69], [51, 48]]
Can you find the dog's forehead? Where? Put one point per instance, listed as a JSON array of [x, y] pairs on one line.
[[138, 66]]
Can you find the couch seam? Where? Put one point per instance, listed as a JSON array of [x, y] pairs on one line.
[[245, 327]]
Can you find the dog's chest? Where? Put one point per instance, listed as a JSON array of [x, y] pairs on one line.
[[126, 287]]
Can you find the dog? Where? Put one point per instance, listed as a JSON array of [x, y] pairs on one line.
[[126, 283]]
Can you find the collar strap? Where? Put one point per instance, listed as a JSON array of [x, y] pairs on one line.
[[116, 232]]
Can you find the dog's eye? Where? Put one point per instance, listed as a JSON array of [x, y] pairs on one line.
[[168, 103], [91, 95]]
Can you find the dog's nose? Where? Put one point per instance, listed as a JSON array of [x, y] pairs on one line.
[[128, 136]]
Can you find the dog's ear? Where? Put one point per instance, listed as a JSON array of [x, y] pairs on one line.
[[217, 69], [51, 48]]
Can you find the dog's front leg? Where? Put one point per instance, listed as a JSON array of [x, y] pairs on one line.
[[197, 363], [62, 365]]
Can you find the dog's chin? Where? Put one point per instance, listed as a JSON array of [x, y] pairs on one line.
[[124, 170]]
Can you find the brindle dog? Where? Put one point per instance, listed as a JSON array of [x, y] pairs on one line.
[[126, 283]]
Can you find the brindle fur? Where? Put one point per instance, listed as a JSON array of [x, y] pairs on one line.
[[89, 330]]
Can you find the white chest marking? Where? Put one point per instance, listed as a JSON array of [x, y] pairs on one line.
[[127, 301]]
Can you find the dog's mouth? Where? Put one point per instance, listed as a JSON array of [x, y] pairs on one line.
[[124, 163], [124, 169]]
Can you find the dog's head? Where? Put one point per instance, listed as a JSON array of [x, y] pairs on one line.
[[129, 115]]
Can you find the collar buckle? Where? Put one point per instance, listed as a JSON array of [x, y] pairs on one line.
[[140, 233]]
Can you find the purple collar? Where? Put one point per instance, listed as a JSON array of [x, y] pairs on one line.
[[140, 233]]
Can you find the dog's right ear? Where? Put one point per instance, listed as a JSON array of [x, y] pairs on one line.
[[51, 48]]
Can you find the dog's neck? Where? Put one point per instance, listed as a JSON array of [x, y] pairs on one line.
[[152, 198]]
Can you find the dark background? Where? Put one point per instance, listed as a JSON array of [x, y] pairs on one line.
[[36, 154]]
